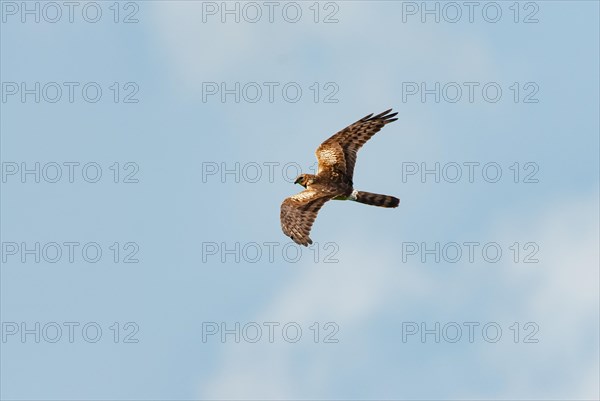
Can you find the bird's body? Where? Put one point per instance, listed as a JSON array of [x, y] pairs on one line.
[[333, 181]]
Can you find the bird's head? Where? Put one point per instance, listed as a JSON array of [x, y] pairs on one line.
[[304, 180]]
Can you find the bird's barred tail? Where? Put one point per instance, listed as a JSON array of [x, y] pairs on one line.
[[376, 199]]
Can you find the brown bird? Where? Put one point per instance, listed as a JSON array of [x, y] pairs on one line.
[[336, 157]]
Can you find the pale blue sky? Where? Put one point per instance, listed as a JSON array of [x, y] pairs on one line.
[[370, 293]]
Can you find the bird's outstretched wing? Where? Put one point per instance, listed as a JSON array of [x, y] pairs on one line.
[[299, 212], [339, 152]]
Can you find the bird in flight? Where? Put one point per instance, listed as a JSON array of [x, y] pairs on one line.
[[336, 157]]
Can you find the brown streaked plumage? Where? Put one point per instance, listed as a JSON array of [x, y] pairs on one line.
[[336, 157]]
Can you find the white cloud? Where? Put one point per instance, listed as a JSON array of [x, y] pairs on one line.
[[561, 294], [198, 51]]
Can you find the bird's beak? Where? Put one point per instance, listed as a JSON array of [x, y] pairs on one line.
[[297, 181]]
